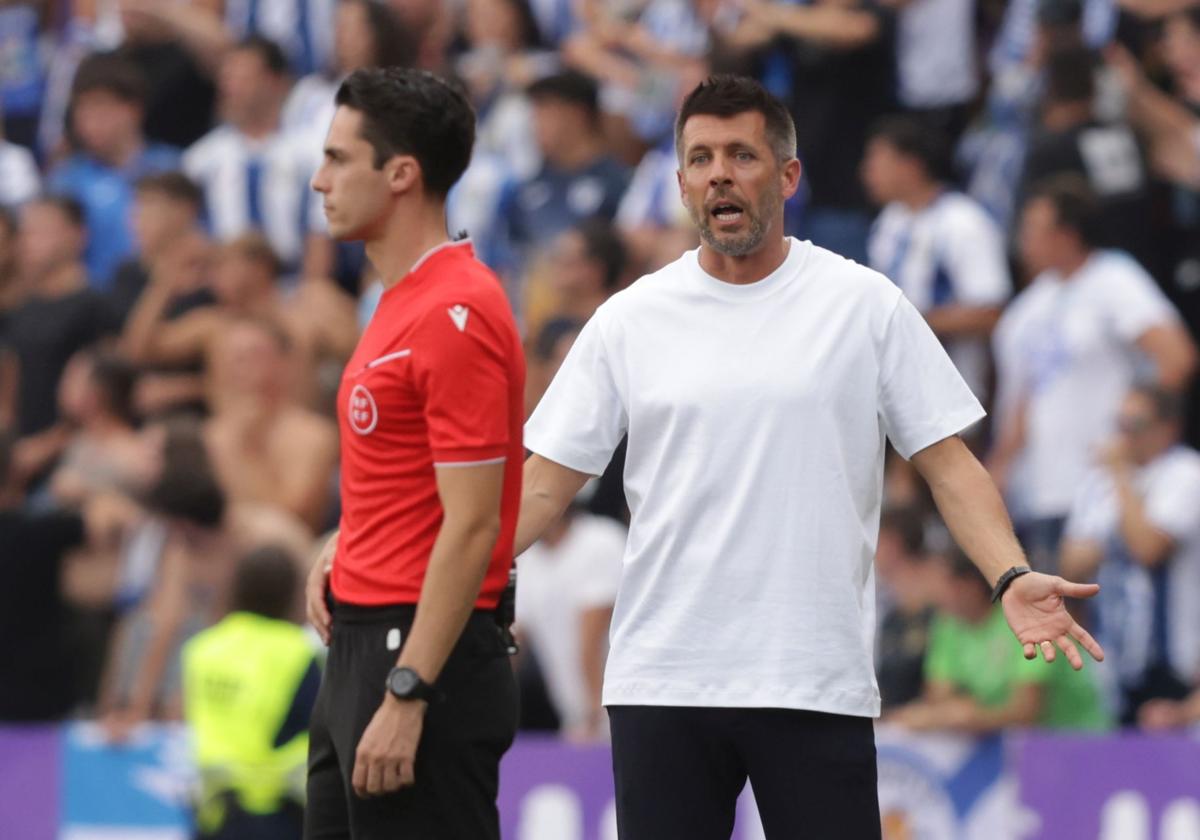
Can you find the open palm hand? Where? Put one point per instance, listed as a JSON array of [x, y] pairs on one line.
[[1034, 608]]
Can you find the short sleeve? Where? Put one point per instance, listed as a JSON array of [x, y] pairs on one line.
[[581, 419], [922, 397], [1173, 504], [462, 375], [975, 258], [1134, 302]]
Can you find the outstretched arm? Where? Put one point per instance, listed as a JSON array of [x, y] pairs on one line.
[[974, 512]]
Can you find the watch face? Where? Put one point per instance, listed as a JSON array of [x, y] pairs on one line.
[[403, 682]]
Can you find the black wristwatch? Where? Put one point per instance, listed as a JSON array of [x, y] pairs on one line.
[[1006, 580], [406, 684]]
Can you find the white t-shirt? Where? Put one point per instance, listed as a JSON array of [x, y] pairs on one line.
[[1067, 349], [756, 417], [1169, 488], [947, 253], [557, 585]]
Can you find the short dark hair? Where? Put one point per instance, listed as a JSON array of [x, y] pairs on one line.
[[110, 73], [174, 185], [602, 243], [1168, 405], [187, 487], [413, 112], [569, 86], [1070, 75], [1075, 205], [71, 209], [727, 95], [908, 524], [918, 140], [265, 582], [272, 55]]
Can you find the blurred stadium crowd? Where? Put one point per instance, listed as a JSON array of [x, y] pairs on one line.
[[173, 318]]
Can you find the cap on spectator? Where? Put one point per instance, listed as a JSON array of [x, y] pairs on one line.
[[570, 86]]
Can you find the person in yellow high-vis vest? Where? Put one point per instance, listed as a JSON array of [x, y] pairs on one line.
[[249, 686]]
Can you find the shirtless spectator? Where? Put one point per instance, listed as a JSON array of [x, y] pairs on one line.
[[105, 453], [205, 533], [319, 319], [265, 448]]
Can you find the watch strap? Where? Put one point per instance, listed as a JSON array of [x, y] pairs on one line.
[[1006, 580]]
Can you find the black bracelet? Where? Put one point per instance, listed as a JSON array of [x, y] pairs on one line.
[[1006, 580]]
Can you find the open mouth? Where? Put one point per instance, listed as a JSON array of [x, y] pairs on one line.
[[726, 212]]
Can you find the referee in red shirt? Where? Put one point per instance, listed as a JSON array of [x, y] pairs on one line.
[[418, 701]]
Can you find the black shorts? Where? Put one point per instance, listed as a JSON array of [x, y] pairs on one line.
[[464, 736], [679, 771]]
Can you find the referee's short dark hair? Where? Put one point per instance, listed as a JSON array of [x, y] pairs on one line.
[[413, 112], [727, 95], [174, 185], [917, 140], [1075, 205], [266, 582]]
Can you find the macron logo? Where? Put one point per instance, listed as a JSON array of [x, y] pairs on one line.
[[458, 314]]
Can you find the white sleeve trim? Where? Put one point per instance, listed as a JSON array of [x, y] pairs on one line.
[[499, 460]]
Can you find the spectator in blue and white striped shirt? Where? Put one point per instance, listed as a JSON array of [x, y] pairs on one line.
[[254, 175], [935, 243]]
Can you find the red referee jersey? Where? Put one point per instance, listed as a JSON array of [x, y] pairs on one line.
[[437, 379]]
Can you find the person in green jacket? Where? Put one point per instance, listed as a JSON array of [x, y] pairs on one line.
[[249, 686], [977, 681]]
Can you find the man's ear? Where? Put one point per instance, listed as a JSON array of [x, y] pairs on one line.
[[683, 196], [403, 173], [789, 177]]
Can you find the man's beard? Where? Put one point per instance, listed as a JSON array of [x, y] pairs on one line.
[[748, 242]]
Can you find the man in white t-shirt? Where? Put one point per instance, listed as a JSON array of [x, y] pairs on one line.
[[569, 581], [757, 378], [937, 244], [1135, 524], [1067, 349]]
